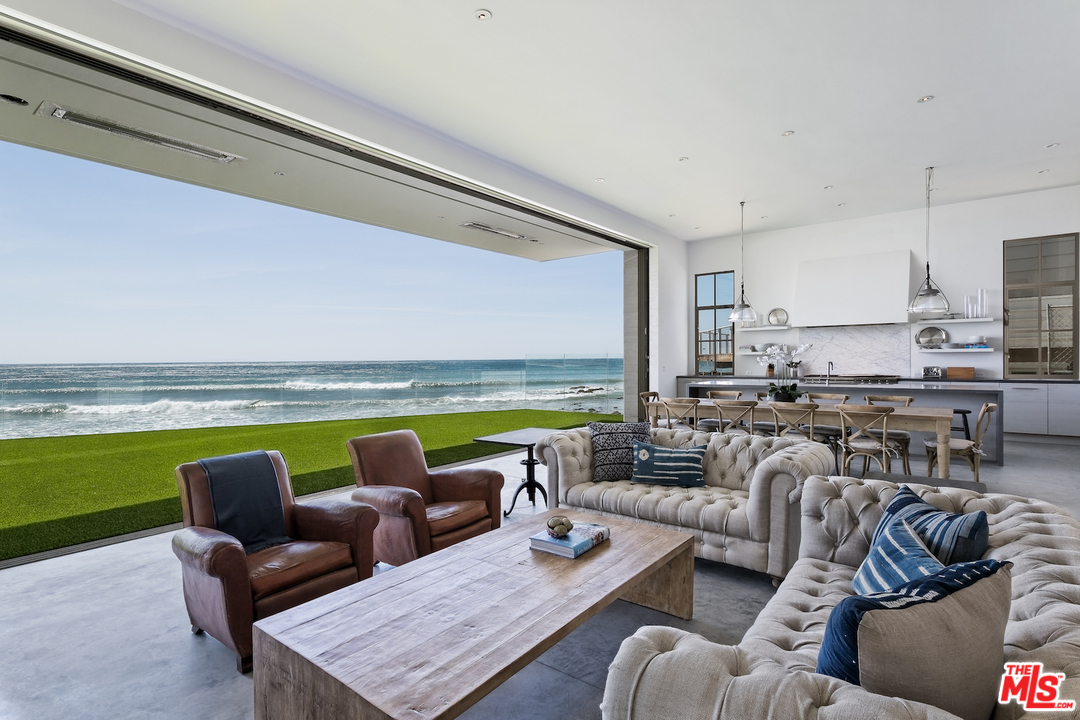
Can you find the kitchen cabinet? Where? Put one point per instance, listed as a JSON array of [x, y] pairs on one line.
[[1026, 407], [1063, 410]]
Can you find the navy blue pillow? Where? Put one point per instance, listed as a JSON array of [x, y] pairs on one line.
[[661, 465], [951, 537], [839, 654], [897, 556]]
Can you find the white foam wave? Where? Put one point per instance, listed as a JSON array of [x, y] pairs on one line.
[[309, 385], [163, 407]]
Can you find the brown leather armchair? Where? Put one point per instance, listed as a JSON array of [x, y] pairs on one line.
[[420, 511], [226, 589]]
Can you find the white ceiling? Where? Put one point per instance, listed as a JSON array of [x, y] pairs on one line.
[[621, 90]]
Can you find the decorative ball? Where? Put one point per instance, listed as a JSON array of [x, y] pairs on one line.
[[559, 525]]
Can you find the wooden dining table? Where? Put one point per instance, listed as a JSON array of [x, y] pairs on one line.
[[921, 418]]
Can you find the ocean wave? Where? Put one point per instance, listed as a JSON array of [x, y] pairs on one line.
[[364, 385], [163, 407]]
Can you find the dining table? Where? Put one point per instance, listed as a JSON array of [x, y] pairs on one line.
[[914, 418]]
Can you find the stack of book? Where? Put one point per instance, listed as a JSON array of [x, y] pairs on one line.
[[582, 538]]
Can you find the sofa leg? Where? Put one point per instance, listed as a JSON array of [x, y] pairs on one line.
[[243, 664], [196, 630], [776, 581]]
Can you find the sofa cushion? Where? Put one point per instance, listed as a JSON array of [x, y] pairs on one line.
[[613, 448], [897, 556], [661, 465], [938, 640], [951, 537]]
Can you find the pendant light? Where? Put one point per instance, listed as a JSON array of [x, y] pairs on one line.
[[742, 312], [929, 298]]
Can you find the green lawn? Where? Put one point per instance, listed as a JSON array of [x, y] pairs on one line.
[[60, 491]]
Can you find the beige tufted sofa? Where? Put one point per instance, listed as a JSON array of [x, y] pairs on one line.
[[747, 514], [661, 672]]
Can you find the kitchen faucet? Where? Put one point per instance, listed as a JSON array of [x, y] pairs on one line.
[[828, 373]]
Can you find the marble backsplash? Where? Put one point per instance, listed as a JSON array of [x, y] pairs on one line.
[[857, 350]]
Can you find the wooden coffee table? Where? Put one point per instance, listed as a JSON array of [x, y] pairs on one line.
[[431, 638]]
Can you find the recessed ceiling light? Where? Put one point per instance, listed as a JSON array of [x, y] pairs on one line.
[[671, 215], [599, 179], [442, 217], [279, 173], [764, 217], [827, 187], [1051, 145], [14, 100], [840, 204], [1043, 171], [926, 98], [483, 14], [683, 159], [697, 227], [786, 133]]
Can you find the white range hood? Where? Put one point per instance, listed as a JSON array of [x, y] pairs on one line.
[[872, 289]]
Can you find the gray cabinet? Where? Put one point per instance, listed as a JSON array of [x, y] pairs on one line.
[[1025, 408], [1063, 410]]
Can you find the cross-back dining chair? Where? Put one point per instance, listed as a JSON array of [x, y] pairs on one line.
[[969, 450], [901, 437], [866, 433]]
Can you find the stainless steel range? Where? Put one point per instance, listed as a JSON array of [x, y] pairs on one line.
[[851, 379]]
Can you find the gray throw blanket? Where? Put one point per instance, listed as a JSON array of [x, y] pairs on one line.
[[246, 498]]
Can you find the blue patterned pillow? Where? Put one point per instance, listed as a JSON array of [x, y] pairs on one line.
[[661, 465], [896, 557], [951, 537], [613, 448], [938, 640]]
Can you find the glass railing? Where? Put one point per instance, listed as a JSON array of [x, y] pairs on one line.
[[53, 400]]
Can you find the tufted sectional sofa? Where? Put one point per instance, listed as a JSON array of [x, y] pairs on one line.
[[662, 672], [747, 514]]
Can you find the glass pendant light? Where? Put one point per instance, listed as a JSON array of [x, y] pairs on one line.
[[929, 298], [742, 312]]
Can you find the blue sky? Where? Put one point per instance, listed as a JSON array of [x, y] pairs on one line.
[[100, 264]]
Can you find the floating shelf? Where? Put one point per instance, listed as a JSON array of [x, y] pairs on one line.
[[764, 328], [956, 350], [944, 321], [749, 353]]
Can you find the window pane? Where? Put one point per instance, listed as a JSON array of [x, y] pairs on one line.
[[1022, 262], [1058, 260], [1023, 332], [1057, 338], [725, 288], [705, 294]]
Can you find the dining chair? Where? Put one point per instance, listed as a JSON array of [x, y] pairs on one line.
[[795, 419], [735, 416], [679, 413], [970, 450], [832, 433], [858, 423], [714, 423], [652, 412], [903, 437], [765, 428]]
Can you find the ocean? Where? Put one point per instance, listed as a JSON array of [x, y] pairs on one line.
[[54, 400]]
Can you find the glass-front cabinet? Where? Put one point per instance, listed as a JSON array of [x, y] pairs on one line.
[[1041, 307]]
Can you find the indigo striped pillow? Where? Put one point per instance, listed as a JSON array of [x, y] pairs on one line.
[[661, 465], [951, 537], [896, 557]]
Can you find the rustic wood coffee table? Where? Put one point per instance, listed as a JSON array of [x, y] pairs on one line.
[[431, 638]]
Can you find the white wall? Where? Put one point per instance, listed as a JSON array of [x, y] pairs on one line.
[[966, 254]]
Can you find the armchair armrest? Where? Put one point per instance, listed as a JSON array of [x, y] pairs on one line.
[[393, 500], [663, 672], [211, 552], [346, 521], [470, 484], [568, 456]]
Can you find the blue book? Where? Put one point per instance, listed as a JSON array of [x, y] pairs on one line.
[[582, 538]]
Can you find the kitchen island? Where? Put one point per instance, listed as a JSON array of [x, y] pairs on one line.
[[929, 393]]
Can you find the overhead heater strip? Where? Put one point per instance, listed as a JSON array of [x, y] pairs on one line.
[[498, 231], [51, 110]]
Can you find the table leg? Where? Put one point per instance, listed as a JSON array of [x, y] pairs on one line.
[[944, 433], [670, 589], [529, 484]]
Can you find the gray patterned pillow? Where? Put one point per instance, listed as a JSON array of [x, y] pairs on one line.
[[613, 448]]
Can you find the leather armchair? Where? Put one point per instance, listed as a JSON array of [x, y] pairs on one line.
[[226, 590], [420, 511]]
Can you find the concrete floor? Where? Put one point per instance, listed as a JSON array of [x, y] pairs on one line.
[[104, 634]]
